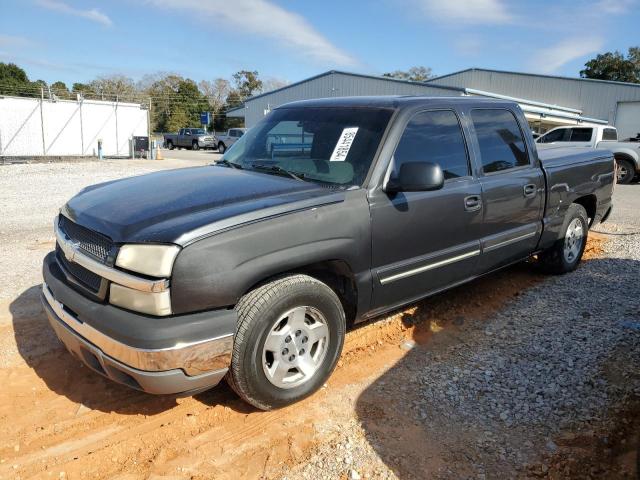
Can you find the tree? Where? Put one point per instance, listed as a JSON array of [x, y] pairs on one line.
[[216, 93], [114, 87], [246, 84], [176, 103], [14, 81], [414, 74], [60, 90], [614, 66]]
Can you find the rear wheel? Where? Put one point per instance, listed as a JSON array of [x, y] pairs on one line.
[[289, 338], [170, 145], [222, 147], [624, 171], [566, 253], [195, 146]]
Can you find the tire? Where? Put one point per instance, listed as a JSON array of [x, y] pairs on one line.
[[265, 318], [222, 147], [195, 146], [565, 255], [170, 145], [625, 171]]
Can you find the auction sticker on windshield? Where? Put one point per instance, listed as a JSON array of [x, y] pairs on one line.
[[344, 144]]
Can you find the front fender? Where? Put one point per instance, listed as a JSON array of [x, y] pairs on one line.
[[216, 271]]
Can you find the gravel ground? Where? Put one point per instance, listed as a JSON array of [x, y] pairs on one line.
[[561, 360], [497, 396]]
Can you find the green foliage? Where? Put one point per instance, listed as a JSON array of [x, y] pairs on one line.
[[14, 81], [176, 103], [614, 66], [60, 90], [414, 74], [246, 84]]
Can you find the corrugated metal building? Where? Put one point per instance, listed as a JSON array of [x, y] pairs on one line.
[[334, 84], [547, 101], [616, 102]]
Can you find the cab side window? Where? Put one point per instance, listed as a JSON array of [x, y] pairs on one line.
[[500, 139], [436, 137], [557, 135]]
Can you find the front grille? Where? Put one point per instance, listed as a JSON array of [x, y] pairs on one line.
[[85, 277], [92, 243]]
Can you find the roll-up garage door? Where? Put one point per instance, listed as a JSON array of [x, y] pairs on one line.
[[628, 119]]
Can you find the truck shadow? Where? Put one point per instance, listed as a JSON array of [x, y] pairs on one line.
[[64, 374], [429, 427]]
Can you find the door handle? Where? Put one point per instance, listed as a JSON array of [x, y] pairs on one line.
[[472, 203], [530, 190]]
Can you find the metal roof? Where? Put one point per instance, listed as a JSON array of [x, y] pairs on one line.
[[579, 79], [351, 74]]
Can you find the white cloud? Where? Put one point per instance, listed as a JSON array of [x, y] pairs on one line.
[[467, 11], [264, 19], [614, 6], [13, 41], [93, 14], [551, 59]]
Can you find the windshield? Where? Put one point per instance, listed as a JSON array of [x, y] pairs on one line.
[[334, 146], [198, 131]]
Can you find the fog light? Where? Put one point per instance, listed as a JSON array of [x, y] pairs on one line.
[[158, 304]]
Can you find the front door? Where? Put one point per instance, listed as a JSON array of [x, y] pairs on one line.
[[425, 241], [512, 189]]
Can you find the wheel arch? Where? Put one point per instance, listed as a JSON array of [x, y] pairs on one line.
[[336, 274], [628, 155], [590, 204]]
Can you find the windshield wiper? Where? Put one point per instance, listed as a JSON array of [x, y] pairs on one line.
[[278, 169], [227, 163]]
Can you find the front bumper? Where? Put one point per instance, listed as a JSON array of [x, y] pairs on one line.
[[169, 355], [206, 143]]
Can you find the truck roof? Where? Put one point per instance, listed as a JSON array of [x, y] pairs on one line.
[[395, 101]]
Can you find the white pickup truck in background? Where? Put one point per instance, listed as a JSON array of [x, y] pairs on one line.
[[602, 137], [225, 140]]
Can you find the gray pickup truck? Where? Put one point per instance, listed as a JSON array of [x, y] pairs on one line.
[[254, 269], [193, 138], [225, 140]]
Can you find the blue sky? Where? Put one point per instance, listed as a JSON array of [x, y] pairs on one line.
[[78, 40]]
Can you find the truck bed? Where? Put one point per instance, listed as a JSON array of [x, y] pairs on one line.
[[575, 173]]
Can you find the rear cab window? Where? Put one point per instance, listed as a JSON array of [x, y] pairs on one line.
[[610, 134], [500, 139], [581, 134], [434, 136]]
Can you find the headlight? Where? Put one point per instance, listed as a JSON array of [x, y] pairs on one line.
[[158, 304], [152, 260]]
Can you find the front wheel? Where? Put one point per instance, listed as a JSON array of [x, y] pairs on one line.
[[195, 146], [222, 148], [566, 253], [289, 337], [624, 171]]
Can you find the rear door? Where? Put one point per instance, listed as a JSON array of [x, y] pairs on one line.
[[512, 188], [425, 241]]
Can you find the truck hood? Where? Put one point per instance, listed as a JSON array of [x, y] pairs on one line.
[[180, 206]]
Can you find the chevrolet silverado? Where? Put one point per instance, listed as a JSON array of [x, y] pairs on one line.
[[254, 268]]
